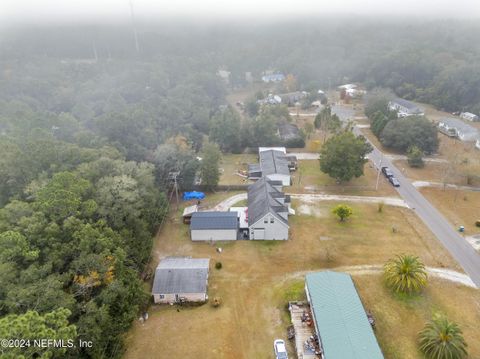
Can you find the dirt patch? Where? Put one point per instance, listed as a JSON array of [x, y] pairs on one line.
[[309, 210], [315, 198]]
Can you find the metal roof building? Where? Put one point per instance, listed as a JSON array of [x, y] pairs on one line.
[[457, 128], [340, 319], [274, 166], [180, 279], [214, 226]]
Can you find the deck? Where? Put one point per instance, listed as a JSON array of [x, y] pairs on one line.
[[303, 331]]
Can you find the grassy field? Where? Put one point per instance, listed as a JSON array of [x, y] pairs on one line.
[[231, 164], [460, 207], [308, 178], [258, 278]]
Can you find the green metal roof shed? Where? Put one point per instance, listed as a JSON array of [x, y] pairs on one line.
[[340, 319]]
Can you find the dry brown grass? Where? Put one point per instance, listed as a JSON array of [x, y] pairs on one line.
[[460, 207], [231, 164], [308, 178], [257, 278]]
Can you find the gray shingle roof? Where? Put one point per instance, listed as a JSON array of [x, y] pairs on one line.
[[459, 125], [273, 162], [181, 275], [262, 200], [407, 104], [214, 220]]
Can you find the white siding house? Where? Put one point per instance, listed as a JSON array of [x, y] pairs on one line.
[[453, 127], [214, 226], [477, 143], [270, 227], [181, 279], [469, 116], [268, 209], [273, 77], [405, 108]]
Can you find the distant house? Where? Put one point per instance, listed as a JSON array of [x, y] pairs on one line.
[[268, 209], [224, 75], [453, 127], [270, 100], [341, 323], [278, 77], [291, 98], [355, 93], [405, 108], [469, 116], [273, 165], [477, 143], [181, 279], [347, 87], [214, 226]]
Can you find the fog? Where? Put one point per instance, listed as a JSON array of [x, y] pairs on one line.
[[19, 11]]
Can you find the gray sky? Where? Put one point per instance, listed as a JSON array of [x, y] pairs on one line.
[[67, 10]]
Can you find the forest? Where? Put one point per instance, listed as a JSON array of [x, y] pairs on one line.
[[90, 130]]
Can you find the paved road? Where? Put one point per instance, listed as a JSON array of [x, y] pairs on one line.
[[458, 247]]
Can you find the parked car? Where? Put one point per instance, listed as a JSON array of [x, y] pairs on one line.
[[280, 349], [387, 172], [394, 181]]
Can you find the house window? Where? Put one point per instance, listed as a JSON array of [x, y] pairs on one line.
[[265, 220], [272, 220], [162, 296]]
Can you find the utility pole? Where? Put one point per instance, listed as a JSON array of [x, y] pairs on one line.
[[137, 47], [173, 176]]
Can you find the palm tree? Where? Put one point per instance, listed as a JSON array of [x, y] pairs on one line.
[[405, 274], [442, 339]]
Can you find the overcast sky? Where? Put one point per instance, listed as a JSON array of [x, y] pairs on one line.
[[68, 10]]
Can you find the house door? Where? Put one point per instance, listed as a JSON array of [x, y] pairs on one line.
[[176, 298]]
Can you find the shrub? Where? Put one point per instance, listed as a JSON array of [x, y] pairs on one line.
[[477, 223], [342, 211], [218, 265], [380, 207], [415, 157], [216, 302]]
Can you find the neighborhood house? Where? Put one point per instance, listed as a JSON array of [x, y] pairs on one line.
[[273, 164], [405, 108], [469, 116], [270, 100], [181, 279], [214, 226], [268, 209], [477, 143], [273, 78], [292, 98], [341, 323], [453, 127]]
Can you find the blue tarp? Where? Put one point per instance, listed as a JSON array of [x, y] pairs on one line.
[[193, 195]]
